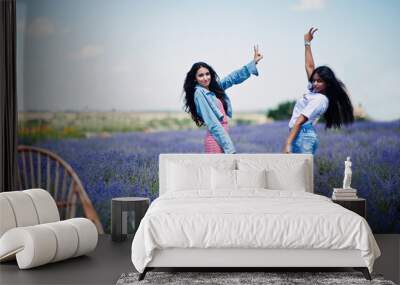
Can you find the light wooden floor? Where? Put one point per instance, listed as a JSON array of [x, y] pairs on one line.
[[110, 260]]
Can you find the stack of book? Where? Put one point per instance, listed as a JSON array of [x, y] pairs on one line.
[[344, 194]]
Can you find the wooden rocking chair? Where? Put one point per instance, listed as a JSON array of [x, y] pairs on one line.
[[41, 168]]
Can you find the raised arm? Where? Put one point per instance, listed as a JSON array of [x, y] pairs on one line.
[[308, 37], [240, 75]]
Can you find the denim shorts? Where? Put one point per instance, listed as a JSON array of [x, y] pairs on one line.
[[306, 140]]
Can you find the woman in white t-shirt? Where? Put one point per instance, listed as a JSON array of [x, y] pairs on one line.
[[326, 96]]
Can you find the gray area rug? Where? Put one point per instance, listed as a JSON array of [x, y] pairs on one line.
[[225, 278]]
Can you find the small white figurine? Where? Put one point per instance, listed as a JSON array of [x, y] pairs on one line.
[[347, 174]]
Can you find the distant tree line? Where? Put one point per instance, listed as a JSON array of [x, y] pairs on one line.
[[282, 112]]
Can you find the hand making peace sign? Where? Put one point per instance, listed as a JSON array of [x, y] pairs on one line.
[[257, 55]]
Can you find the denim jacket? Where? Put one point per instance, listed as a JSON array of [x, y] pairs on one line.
[[207, 108]]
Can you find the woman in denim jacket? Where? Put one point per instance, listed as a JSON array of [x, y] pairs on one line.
[[206, 101], [326, 96]]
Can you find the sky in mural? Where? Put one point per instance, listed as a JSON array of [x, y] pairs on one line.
[[133, 55]]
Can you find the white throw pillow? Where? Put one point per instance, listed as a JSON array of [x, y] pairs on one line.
[[186, 178], [251, 178], [282, 174], [223, 179], [194, 174], [294, 180]]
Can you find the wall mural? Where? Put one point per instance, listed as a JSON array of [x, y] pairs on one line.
[[103, 91]]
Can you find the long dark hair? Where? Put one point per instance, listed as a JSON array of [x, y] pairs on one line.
[[189, 89], [340, 109]]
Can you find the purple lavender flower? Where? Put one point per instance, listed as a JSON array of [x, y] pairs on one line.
[[127, 164]]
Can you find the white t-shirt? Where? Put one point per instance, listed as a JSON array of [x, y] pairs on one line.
[[312, 105]]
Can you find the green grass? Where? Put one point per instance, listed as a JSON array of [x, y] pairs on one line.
[[34, 127]]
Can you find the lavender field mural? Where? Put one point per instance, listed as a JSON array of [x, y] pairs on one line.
[[126, 164]]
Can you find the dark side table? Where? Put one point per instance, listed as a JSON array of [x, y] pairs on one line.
[[357, 205], [126, 214]]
